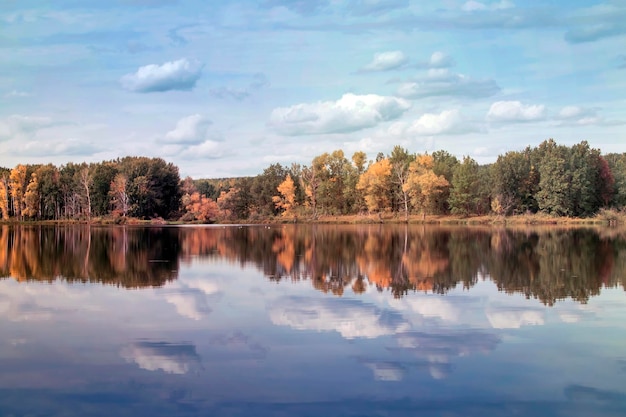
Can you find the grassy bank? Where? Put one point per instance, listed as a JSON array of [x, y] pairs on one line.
[[603, 218]]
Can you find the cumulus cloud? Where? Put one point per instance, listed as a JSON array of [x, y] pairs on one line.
[[448, 121], [515, 111], [174, 75], [440, 60], [189, 130], [432, 124], [171, 358], [350, 318], [385, 61], [348, 114], [441, 82], [208, 149]]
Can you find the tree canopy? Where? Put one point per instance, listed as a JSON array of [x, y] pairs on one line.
[[558, 180]]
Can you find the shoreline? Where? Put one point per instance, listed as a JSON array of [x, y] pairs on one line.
[[606, 218]]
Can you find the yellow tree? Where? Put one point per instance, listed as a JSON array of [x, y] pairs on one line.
[[4, 198], [17, 184], [119, 195], [375, 184], [423, 185], [287, 199], [202, 208], [31, 197]]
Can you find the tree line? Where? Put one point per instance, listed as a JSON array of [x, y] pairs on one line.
[[574, 181]]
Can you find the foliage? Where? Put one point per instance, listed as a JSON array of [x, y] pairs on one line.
[[287, 198], [464, 199], [375, 184], [557, 180], [423, 185]]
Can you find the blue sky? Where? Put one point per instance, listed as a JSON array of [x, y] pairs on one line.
[[227, 88]]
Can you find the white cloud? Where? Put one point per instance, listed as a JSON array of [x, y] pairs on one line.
[[189, 130], [50, 147], [515, 111], [440, 60], [19, 126], [514, 319], [472, 5], [350, 318], [170, 358], [385, 61], [441, 82], [209, 149], [175, 75], [579, 115], [448, 121], [348, 114]]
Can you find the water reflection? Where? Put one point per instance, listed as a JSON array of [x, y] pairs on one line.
[[547, 264], [310, 321], [171, 358]]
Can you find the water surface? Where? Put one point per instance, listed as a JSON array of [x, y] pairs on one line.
[[312, 321]]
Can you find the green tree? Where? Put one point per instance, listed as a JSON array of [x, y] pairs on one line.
[[464, 197], [50, 194], [617, 165], [515, 182], [102, 175], [153, 187], [444, 165], [264, 188]]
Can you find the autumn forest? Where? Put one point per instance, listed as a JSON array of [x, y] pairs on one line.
[[558, 180]]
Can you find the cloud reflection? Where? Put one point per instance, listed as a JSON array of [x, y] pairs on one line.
[[350, 318], [437, 349], [514, 318], [191, 297], [171, 358], [386, 371]]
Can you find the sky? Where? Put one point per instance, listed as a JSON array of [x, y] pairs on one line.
[[226, 88]]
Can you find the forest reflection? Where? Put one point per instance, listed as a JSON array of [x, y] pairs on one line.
[[548, 264]]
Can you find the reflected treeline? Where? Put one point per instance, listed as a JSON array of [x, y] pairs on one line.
[[548, 264], [126, 257]]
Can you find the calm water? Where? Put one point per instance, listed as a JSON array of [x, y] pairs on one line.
[[312, 321]]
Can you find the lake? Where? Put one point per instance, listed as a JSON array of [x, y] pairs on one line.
[[295, 320]]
